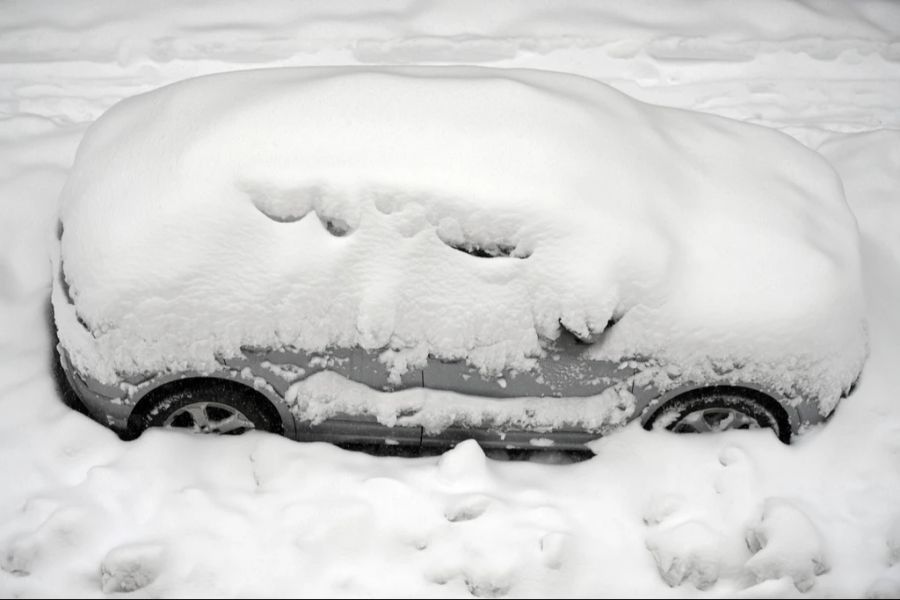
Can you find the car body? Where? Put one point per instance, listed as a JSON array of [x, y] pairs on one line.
[[462, 279]]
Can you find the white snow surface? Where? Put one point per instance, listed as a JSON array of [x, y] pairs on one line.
[[83, 514], [191, 230]]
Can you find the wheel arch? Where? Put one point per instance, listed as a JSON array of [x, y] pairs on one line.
[[784, 412], [164, 386]]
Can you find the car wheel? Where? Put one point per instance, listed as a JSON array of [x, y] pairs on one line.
[[717, 409], [214, 406]]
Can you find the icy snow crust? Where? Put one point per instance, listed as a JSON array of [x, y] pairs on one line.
[[323, 207]]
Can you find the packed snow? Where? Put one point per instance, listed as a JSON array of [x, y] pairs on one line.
[[652, 514]]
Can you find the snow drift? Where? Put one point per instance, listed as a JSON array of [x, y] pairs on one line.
[[455, 212]]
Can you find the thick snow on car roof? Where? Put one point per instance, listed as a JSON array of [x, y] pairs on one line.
[[456, 212]]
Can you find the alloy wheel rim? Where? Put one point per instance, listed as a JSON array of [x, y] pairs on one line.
[[715, 419], [209, 417]]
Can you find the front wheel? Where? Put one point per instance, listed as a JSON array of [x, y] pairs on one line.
[[209, 406], [716, 409]]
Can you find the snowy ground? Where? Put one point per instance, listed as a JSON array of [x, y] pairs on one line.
[[84, 514]]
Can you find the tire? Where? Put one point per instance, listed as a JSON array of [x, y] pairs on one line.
[[721, 408], [212, 406]]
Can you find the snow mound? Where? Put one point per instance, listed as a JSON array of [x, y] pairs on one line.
[[785, 543], [465, 465], [322, 207]]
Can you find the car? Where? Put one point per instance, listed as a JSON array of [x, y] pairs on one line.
[[422, 255]]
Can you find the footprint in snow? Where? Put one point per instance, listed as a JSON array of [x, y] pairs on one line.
[[685, 550], [553, 549], [785, 542], [64, 530], [887, 585], [487, 587], [893, 542], [18, 558], [482, 582], [689, 552], [736, 481], [131, 567], [467, 508], [661, 507]]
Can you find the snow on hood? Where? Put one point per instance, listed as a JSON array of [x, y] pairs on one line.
[[460, 212]]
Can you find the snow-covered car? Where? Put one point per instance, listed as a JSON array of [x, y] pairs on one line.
[[422, 255]]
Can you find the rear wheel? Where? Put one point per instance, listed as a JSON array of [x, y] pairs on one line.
[[211, 406], [721, 408]]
